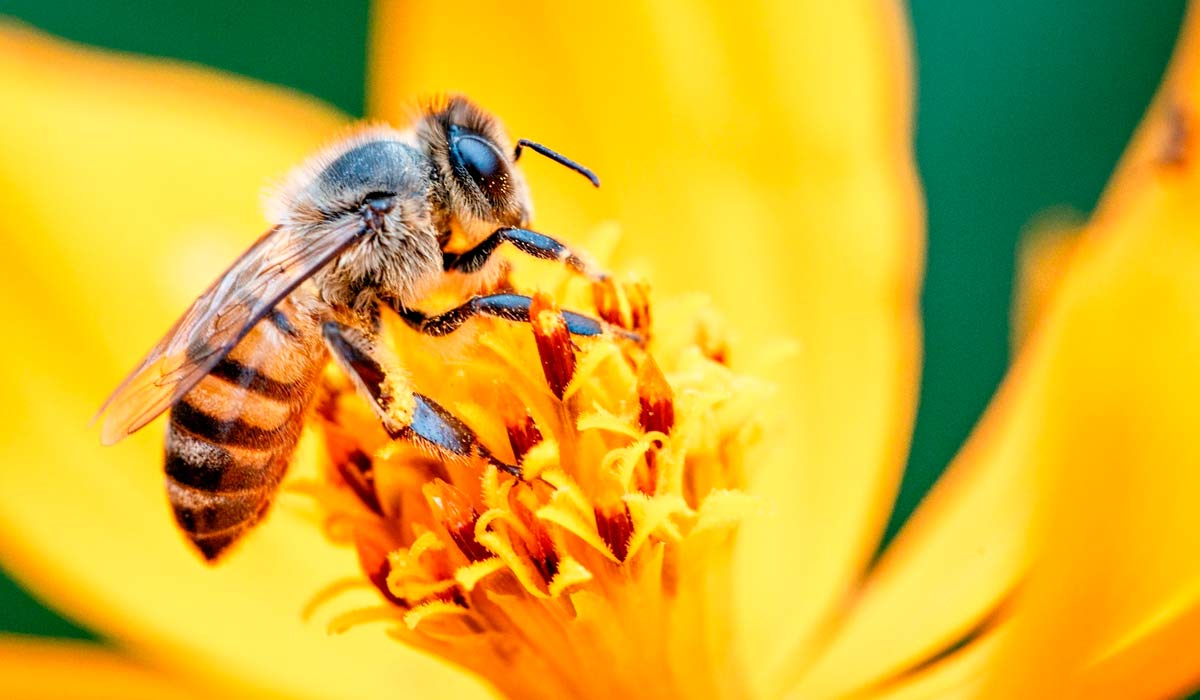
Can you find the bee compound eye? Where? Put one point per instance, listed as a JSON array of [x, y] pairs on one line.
[[475, 157]]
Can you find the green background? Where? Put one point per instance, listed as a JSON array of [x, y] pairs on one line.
[[1023, 105]]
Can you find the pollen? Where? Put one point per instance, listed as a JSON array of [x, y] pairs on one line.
[[603, 570]]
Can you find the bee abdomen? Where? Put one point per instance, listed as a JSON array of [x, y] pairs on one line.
[[218, 492], [230, 438], [236, 431], [254, 381], [214, 520], [195, 462]]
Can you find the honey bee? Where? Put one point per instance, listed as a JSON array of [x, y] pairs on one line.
[[361, 226]]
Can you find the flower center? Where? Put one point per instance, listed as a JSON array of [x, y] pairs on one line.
[[604, 570]]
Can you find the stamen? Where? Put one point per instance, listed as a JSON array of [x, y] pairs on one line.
[[615, 528], [608, 305], [353, 618], [454, 510], [657, 416], [655, 398], [625, 305], [356, 470], [554, 344], [523, 435], [328, 593], [537, 545], [710, 337], [373, 558]]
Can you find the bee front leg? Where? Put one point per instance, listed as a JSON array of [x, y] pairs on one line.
[[405, 414], [539, 245]]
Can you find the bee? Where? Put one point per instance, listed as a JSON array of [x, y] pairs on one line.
[[361, 226]]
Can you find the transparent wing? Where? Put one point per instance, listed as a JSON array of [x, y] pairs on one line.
[[266, 273]]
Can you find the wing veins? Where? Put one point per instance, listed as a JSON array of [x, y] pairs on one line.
[[271, 269]]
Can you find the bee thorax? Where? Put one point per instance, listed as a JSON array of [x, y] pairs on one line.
[[400, 263]]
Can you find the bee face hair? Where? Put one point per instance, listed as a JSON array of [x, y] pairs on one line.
[[471, 154]]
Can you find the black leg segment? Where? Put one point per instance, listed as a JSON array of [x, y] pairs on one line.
[[429, 424], [352, 353], [539, 245], [513, 307], [435, 427]]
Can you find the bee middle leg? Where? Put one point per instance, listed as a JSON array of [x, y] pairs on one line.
[[513, 307], [405, 414]]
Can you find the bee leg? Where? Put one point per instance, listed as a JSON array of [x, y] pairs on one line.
[[405, 414], [513, 307], [539, 245]]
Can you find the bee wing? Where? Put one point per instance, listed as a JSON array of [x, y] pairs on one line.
[[266, 273]]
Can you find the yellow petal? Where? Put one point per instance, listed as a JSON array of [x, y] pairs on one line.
[[1084, 463], [952, 565], [1117, 441], [961, 673], [759, 151], [1114, 604], [975, 523], [127, 186], [43, 669], [1043, 257], [1145, 662]]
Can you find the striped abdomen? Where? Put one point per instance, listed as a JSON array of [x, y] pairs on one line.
[[230, 438]]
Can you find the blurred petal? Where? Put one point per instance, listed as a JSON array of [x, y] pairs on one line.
[[957, 674], [1086, 461], [954, 564], [1043, 257], [43, 669], [1114, 612], [759, 151], [127, 185]]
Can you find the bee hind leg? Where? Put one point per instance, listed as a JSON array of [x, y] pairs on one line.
[[404, 413]]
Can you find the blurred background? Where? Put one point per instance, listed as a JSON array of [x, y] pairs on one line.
[[1022, 106]]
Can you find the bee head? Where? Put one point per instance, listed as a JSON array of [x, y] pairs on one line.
[[478, 165], [469, 149]]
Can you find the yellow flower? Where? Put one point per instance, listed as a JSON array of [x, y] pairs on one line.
[[759, 153], [604, 570]]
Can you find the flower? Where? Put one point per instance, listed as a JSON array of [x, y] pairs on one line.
[[603, 570], [129, 183]]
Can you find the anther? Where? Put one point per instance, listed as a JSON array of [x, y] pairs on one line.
[[656, 399], [372, 558], [625, 305], [604, 295], [523, 434], [657, 414], [539, 548], [454, 510], [359, 474], [710, 337], [553, 343], [615, 527], [638, 294]]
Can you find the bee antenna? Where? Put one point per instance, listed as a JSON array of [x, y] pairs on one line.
[[557, 158]]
